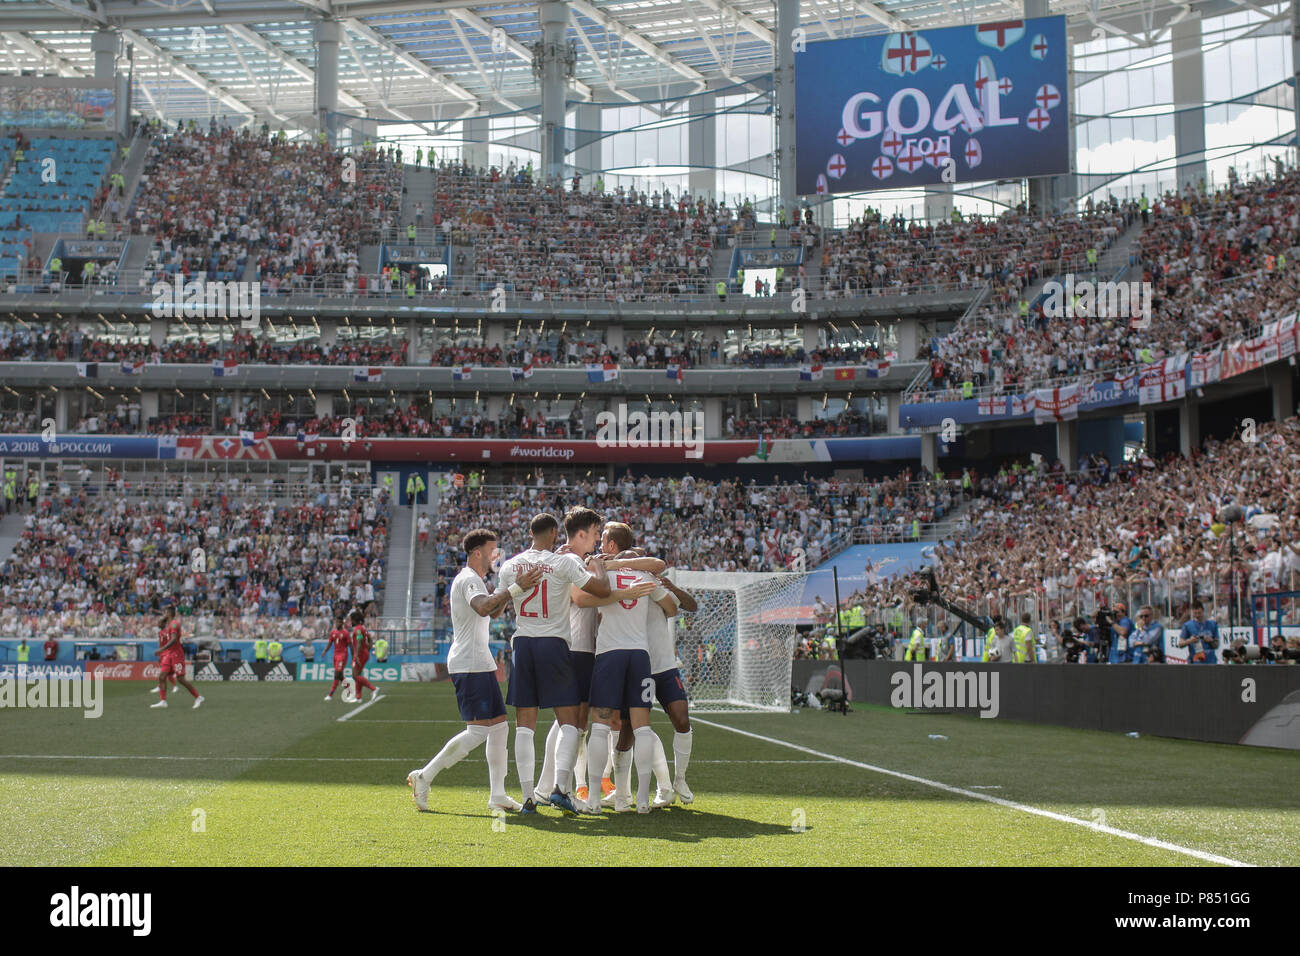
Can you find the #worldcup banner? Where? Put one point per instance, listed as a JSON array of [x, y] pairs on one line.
[[959, 104]]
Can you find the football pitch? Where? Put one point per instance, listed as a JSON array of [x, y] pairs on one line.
[[268, 774]]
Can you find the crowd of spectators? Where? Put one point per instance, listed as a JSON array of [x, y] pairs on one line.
[[128, 554], [1218, 265], [213, 200]]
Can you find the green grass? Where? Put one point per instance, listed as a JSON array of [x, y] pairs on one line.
[[281, 781]]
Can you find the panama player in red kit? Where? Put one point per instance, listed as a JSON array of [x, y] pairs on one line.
[[171, 658], [341, 640], [361, 641]]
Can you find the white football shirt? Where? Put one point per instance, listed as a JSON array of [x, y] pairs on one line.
[[582, 628], [470, 653], [659, 632], [544, 611], [623, 624]]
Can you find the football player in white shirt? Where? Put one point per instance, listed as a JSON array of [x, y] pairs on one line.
[[621, 680], [582, 652], [542, 673], [474, 673]]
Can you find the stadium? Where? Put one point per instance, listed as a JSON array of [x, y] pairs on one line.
[[903, 356]]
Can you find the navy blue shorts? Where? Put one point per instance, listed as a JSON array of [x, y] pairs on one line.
[[668, 687], [583, 663], [542, 674], [478, 695], [621, 679]]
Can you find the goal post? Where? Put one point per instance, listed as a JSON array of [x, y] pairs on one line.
[[737, 650]]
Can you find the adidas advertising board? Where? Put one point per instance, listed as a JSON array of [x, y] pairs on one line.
[[209, 671], [246, 671]]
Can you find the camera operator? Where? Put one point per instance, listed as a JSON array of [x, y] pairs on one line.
[[1122, 637], [1076, 643], [1200, 637]]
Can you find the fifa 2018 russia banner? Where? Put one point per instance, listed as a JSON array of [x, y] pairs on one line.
[[957, 104]]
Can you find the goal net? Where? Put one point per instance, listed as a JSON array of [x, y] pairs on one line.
[[736, 651]]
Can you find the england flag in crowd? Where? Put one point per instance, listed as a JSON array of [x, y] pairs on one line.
[[1056, 404], [1163, 381]]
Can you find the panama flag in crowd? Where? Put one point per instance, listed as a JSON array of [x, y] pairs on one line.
[[250, 439], [224, 367], [307, 438], [810, 373], [461, 374], [675, 372], [877, 369], [607, 372], [132, 368], [1056, 404], [521, 373], [88, 369], [367, 374]]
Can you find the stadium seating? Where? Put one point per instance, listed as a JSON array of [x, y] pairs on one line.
[[59, 206]]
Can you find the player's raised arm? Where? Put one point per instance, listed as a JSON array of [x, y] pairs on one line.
[[667, 603], [647, 564], [684, 598], [583, 599], [597, 583], [490, 605]]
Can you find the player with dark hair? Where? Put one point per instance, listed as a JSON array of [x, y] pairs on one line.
[[543, 675], [474, 673], [361, 644], [340, 638], [171, 658]]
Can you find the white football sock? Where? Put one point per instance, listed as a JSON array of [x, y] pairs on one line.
[[525, 760], [663, 779], [644, 750], [682, 753], [565, 754], [546, 782], [608, 770], [580, 764], [497, 758], [597, 750], [454, 751], [623, 773]]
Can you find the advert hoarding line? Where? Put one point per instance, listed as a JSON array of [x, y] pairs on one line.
[[987, 798]]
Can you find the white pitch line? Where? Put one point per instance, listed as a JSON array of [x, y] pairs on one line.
[[318, 759], [975, 795], [357, 710]]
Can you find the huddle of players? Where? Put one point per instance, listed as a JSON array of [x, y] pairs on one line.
[[592, 640]]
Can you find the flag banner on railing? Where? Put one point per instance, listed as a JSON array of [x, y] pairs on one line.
[[810, 373], [849, 374], [1023, 404], [1205, 368], [133, 368], [461, 374], [675, 371], [249, 439], [518, 373], [367, 374], [223, 368], [993, 405], [874, 370], [597, 373], [1163, 381], [1287, 330], [1056, 404], [88, 369]]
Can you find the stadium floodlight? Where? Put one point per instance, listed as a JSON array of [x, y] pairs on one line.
[[737, 650]]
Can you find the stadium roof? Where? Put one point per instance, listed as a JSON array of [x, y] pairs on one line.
[[421, 61]]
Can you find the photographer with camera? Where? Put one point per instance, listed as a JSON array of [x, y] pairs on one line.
[[1149, 643], [1200, 637], [1079, 642], [1101, 635], [1122, 637]]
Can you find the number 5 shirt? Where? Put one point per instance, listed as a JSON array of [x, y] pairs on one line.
[[544, 611]]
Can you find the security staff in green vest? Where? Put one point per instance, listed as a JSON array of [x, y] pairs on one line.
[[381, 649], [721, 288], [276, 650], [419, 156], [965, 481], [33, 490], [19, 153], [410, 288], [388, 486], [24, 652], [1146, 356], [260, 648], [1092, 258], [1281, 261], [956, 216], [740, 279], [916, 529], [11, 489], [56, 269], [780, 217], [415, 487], [1023, 635], [600, 185], [828, 644], [474, 480], [443, 483], [967, 389], [857, 618], [916, 645], [88, 272], [773, 237], [410, 231], [780, 274], [1024, 308], [1144, 205], [321, 137]]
